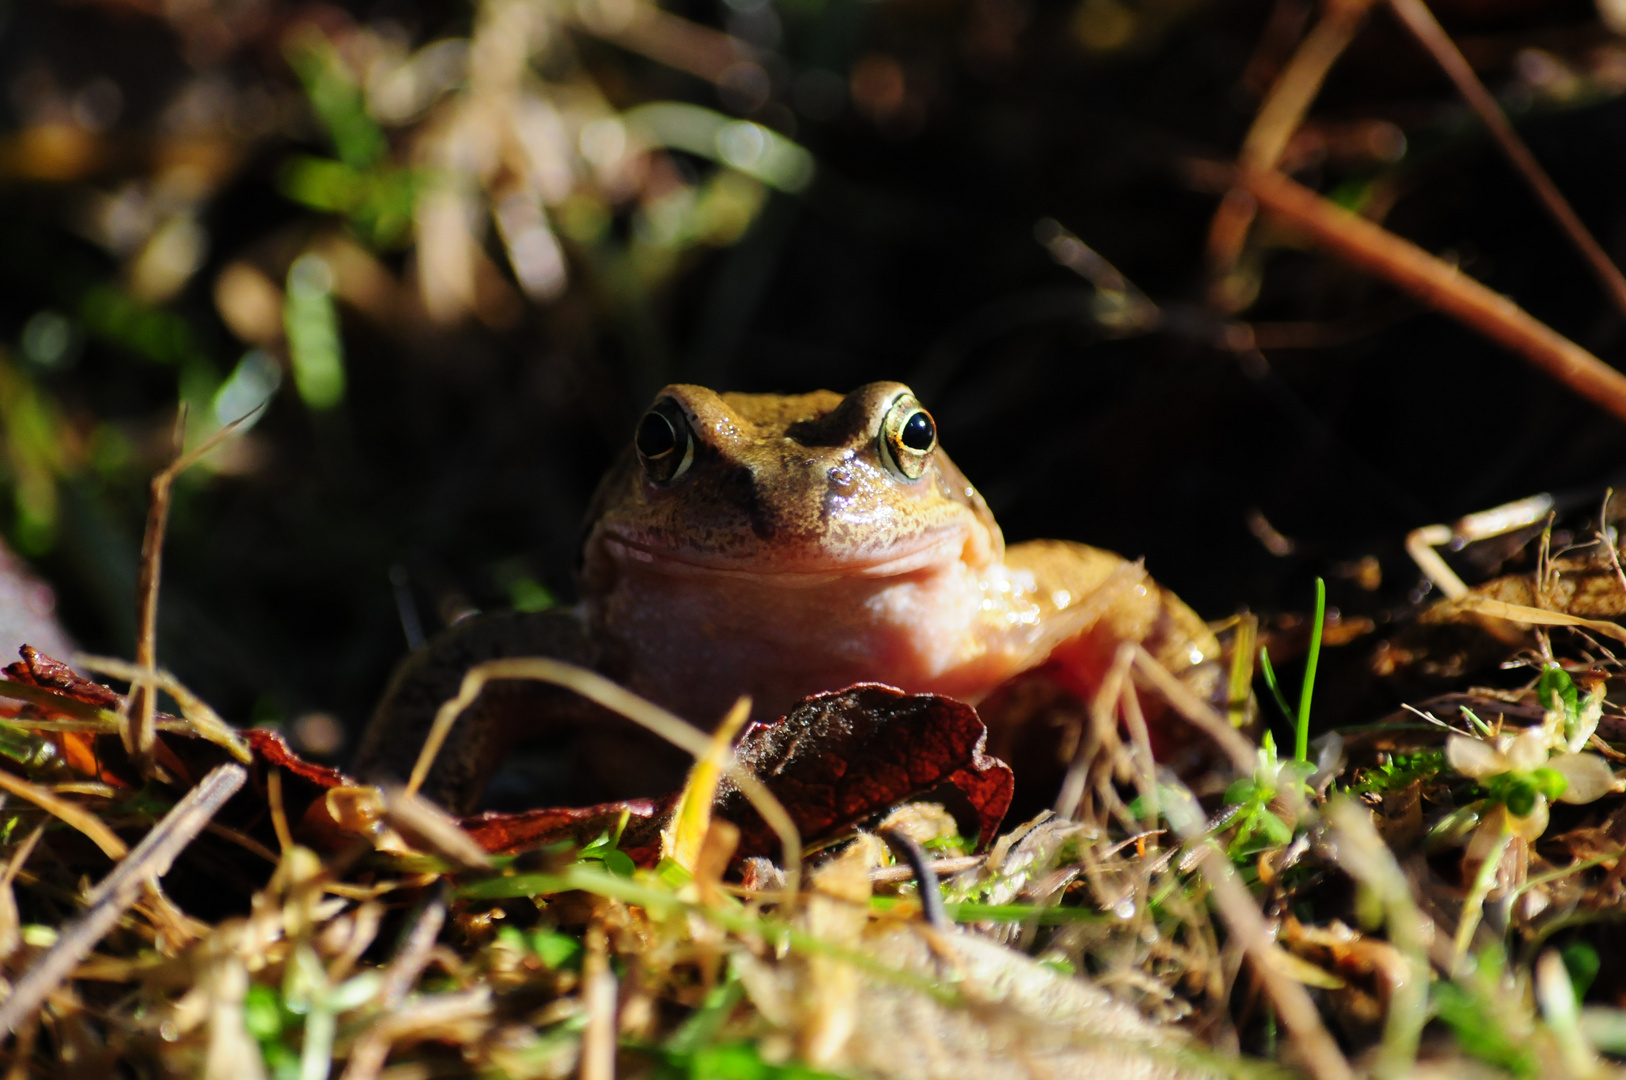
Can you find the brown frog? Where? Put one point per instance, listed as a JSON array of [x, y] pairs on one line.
[[779, 546]]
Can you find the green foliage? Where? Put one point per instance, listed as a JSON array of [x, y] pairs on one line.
[[1557, 691], [378, 202], [731, 1061], [1301, 745], [1582, 963], [336, 100], [312, 325], [1518, 790], [556, 951], [1301, 715], [1471, 1012], [605, 851], [1258, 828], [1399, 771]]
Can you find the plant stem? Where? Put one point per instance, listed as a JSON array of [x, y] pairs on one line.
[[1301, 745]]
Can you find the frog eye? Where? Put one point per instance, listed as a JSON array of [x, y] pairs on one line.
[[907, 438], [665, 442]]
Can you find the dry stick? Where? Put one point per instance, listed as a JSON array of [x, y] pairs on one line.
[[413, 956], [1091, 741], [646, 714], [674, 41], [1279, 116], [68, 812], [1241, 915], [1428, 31], [1440, 286], [140, 731], [598, 996], [1198, 712], [150, 860]]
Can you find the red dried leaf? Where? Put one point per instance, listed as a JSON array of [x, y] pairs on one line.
[[37, 669], [839, 758], [833, 761], [508, 833], [271, 747]]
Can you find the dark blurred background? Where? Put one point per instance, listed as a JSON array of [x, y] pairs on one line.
[[460, 245]]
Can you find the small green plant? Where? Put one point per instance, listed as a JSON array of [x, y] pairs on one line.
[[1258, 827], [1300, 716], [1398, 771], [1472, 1008], [606, 851]]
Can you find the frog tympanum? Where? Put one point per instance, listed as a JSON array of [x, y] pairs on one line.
[[780, 546]]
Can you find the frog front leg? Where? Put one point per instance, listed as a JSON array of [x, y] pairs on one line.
[[505, 714], [1109, 601]]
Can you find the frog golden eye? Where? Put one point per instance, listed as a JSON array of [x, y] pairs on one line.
[[665, 442], [907, 438]]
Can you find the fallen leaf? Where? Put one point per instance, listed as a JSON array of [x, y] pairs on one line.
[[838, 758]]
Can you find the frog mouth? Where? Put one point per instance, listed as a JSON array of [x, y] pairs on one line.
[[930, 551]]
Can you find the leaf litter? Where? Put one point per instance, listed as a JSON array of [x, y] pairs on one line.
[[1403, 899]]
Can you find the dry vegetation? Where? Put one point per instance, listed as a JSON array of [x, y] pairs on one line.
[[294, 233]]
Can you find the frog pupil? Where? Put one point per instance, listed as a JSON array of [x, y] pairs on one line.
[[655, 436], [918, 433]]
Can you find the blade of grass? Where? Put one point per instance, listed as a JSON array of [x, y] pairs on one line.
[[1275, 687], [1301, 742]]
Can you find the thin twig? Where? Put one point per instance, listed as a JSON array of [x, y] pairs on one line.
[[70, 813], [1279, 116], [1359, 849], [150, 860], [1101, 727], [672, 40], [598, 1002], [413, 956], [1322, 1058], [142, 705], [927, 888], [1200, 714], [1440, 286], [598, 689], [1428, 31], [139, 730]]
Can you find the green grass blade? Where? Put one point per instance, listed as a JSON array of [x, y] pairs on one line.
[[1301, 744]]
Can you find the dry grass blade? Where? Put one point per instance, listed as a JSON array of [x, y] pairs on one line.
[[428, 828], [597, 688], [97, 718], [139, 730], [599, 1000], [203, 720], [671, 40], [1279, 116], [1365, 857], [1519, 613], [1440, 286], [1241, 752], [1322, 1058], [684, 836], [69, 813], [150, 860], [413, 956], [1427, 29]]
